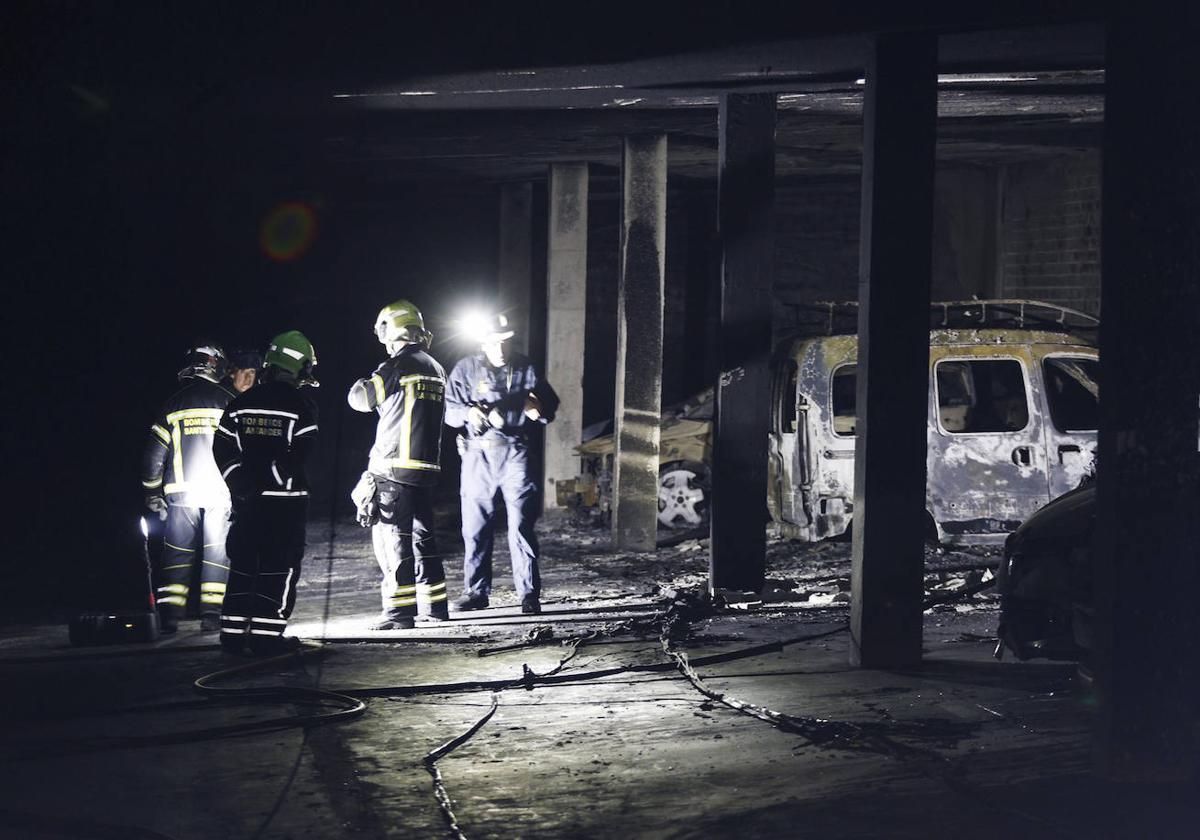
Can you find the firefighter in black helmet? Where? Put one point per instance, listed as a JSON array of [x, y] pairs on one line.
[[183, 486], [263, 442], [395, 494]]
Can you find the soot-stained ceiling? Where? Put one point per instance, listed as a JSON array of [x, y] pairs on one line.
[[1005, 96]]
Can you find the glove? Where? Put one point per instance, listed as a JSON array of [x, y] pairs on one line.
[[157, 505], [366, 509], [477, 418], [533, 407]]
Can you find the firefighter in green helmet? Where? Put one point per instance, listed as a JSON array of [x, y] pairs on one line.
[[262, 444], [395, 494]]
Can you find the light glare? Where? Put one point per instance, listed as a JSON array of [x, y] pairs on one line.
[[474, 325]]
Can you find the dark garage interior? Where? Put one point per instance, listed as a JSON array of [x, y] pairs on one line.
[[839, 286]]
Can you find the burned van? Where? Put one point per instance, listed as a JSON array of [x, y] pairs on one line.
[[1012, 418]]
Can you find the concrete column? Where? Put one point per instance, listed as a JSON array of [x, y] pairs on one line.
[[899, 115], [640, 342], [1147, 631], [566, 299], [742, 418], [515, 279]]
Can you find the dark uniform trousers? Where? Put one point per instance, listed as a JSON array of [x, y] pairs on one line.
[[266, 545], [414, 579], [490, 467], [191, 532]]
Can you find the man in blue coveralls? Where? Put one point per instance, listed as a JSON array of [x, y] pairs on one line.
[[497, 396]]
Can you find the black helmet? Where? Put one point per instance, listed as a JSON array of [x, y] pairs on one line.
[[205, 359]]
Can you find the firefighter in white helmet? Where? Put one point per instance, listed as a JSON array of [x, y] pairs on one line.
[[395, 494]]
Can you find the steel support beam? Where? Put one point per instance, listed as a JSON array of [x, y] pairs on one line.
[[515, 282], [1147, 572], [566, 299], [746, 194], [640, 342], [899, 115]]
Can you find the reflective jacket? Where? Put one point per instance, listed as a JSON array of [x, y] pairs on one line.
[[408, 392], [178, 459], [475, 382], [264, 439]]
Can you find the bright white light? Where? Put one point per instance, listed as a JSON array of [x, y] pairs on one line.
[[961, 78], [145, 527], [474, 326], [975, 78]]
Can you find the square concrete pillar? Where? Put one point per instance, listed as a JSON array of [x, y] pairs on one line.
[[1147, 541], [566, 299], [515, 281], [899, 119], [742, 416], [640, 295]]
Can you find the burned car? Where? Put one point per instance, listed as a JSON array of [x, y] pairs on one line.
[[1045, 581], [1011, 423]]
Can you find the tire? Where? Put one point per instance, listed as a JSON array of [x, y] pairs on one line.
[[684, 493]]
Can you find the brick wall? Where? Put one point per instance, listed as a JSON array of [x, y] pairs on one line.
[[1029, 230], [816, 241], [1050, 232]]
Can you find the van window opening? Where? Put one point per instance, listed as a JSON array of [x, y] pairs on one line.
[[1073, 393], [844, 400], [982, 395], [787, 399]]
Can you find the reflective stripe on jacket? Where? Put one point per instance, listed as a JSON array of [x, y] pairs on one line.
[[177, 459], [265, 438], [408, 393]]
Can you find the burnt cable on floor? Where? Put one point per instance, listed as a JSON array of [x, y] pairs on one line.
[[348, 702], [431, 759], [845, 734], [439, 787]]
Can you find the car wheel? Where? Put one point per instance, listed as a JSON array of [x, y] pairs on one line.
[[684, 492]]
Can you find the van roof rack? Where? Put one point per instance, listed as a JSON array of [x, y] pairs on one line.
[[841, 317]]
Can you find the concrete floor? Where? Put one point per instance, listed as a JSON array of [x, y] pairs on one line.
[[114, 742]]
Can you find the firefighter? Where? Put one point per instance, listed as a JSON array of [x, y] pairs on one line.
[[263, 441], [183, 487], [497, 397], [395, 494]]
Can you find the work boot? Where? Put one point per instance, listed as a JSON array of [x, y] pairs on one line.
[[234, 648], [467, 603], [400, 622], [427, 618], [210, 623], [273, 645], [530, 605], [167, 626]]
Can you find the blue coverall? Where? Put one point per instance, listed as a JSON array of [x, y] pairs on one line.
[[497, 461]]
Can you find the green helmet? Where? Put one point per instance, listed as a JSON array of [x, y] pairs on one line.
[[293, 352], [401, 321]]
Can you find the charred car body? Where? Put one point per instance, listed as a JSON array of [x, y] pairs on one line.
[[1012, 417], [1045, 581]]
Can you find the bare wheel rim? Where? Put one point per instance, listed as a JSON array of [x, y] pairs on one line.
[[678, 498]]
